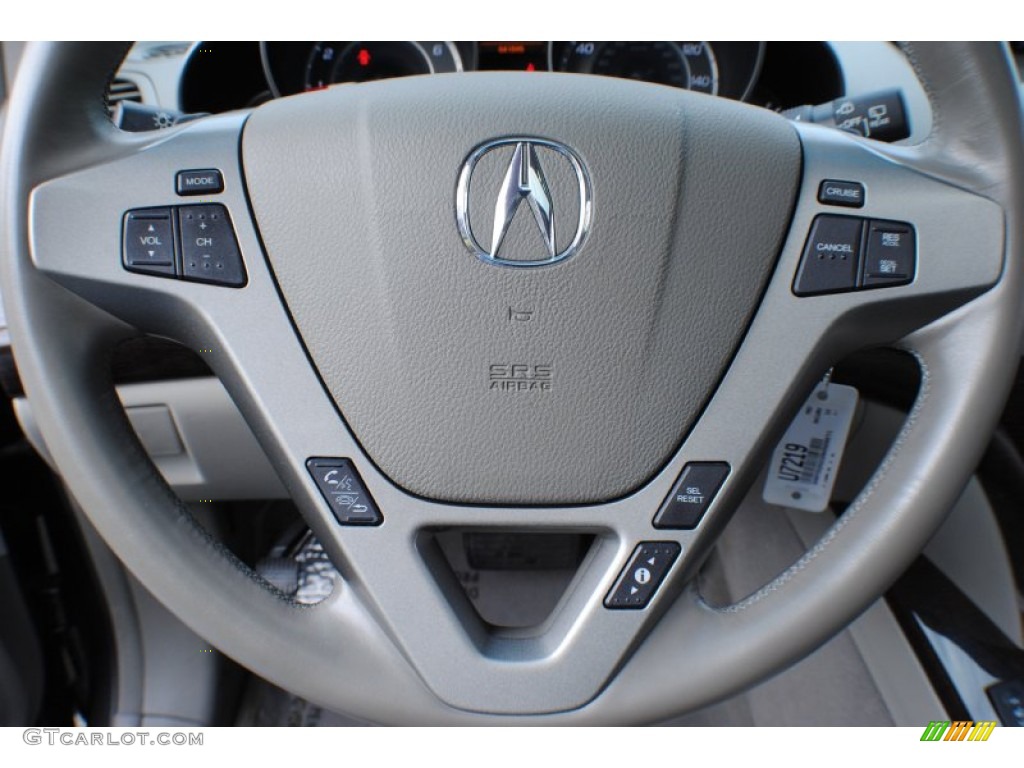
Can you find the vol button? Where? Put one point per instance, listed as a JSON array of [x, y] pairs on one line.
[[148, 241]]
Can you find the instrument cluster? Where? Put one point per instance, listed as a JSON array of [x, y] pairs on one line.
[[728, 69]]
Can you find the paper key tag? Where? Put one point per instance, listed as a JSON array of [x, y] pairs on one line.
[[806, 460]]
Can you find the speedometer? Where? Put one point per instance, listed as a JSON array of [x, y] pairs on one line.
[[688, 65]]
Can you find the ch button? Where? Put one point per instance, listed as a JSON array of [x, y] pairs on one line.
[[209, 251]]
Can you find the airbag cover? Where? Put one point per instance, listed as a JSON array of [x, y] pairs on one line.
[[354, 191]]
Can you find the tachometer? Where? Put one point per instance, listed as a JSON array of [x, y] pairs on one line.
[[360, 62], [688, 65]]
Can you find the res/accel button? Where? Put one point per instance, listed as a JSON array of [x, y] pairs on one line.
[[889, 254]]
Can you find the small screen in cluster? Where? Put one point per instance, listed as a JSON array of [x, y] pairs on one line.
[[523, 56]]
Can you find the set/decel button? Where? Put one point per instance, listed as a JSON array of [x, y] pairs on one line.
[[888, 254]]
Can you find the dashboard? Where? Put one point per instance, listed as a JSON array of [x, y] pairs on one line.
[[212, 77]]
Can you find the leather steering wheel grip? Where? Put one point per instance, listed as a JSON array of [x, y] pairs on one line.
[[342, 658]]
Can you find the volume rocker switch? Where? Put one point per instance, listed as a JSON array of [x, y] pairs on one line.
[[148, 242]]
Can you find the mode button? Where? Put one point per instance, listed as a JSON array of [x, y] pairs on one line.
[[208, 181]]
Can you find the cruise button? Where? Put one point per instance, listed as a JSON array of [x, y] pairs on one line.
[[845, 193]]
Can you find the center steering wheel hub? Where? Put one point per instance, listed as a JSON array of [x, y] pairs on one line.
[[571, 383]]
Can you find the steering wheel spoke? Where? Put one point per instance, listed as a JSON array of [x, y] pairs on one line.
[[880, 243], [117, 234]]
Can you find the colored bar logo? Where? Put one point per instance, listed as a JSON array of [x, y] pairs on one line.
[[959, 730]]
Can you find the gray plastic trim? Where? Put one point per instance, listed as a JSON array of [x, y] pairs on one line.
[[389, 644], [892, 663], [220, 458], [164, 674], [969, 549]]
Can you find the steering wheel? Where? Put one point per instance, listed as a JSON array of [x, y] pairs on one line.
[[349, 299]]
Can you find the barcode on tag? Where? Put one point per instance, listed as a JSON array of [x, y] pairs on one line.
[[805, 462], [809, 472]]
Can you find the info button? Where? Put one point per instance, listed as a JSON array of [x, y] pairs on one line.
[[208, 181]]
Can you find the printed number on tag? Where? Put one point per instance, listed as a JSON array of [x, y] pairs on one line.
[[806, 460]]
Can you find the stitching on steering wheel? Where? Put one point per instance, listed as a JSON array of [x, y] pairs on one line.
[[862, 499], [910, 52]]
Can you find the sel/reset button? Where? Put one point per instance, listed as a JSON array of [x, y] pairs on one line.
[[694, 491]]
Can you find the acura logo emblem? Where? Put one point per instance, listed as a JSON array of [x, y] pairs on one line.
[[525, 192]]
